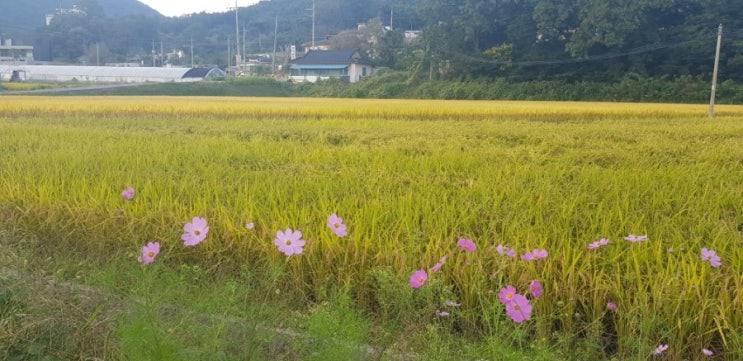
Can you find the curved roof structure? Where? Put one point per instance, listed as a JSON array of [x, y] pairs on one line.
[[112, 74]]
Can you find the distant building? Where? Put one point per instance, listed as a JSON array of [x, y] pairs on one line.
[[319, 65], [76, 10], [108, 74], [412, 35], [10, 53], [323, 44]]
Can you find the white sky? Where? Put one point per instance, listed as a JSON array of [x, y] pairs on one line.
[[182, 7]]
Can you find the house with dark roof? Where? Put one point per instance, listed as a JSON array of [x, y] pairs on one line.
[[315, 65]]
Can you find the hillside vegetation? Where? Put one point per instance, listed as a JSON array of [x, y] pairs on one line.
[[550, 40]]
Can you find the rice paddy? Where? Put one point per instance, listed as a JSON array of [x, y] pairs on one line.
[[409, 179]]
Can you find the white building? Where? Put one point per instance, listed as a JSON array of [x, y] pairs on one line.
[[108, 74], [10, 53]]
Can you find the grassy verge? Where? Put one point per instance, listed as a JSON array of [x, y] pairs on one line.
[[63, 307]]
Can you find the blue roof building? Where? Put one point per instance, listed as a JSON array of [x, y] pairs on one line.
[[315, 65]]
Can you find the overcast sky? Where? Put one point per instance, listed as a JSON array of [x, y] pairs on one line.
[[182, 7]]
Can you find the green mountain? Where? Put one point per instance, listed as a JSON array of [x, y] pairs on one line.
[[18, 18], [569, 40]]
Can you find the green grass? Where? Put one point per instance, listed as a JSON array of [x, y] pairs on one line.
[[409, 181]]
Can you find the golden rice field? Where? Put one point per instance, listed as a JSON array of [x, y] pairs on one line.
[[410, 178]]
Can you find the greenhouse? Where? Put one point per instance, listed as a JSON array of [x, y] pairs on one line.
[[105, 74]]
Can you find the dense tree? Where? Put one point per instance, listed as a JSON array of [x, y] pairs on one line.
[[521, 39]]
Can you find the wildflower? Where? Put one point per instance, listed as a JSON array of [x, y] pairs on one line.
[[250, 225], [418, 278], [438, 265], [600, 243], [634, 239], [535, 288], [519, 309], [128, 193], [451, 303], [611, 305], [660, 349], [510, 252], [336, 225], [535, 254], [289, 242], [442, 313], [506, 294], [149, 252], [707, 352], [467, 245], [195, 231], [711, 257]]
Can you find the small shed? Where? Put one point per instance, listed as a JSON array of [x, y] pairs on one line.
[[315, 65], [109, 74]]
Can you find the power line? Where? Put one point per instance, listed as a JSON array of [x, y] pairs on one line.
[[634, 51]]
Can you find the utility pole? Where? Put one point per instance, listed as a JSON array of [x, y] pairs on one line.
[[714, 73], [313, 25], [275, 30], [162, 55], [192, 51], [229, 51], [153, 53], [391, 12], [237, 37]]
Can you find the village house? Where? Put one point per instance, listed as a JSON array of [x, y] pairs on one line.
[[315, 65]]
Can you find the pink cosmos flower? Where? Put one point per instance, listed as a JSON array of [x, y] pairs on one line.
[[519, 309], [149, 252], [250, 225], [195, 232], [660, 349], [336, 225], [600, 243], [289, 242], [634, 239], [535, 288], [611, 305], [451, 303], [510, 252], [535, 254], [506, 294], [711, 257], [707, 352], [442, 313], [438, 265], [128, 193], [418, 278], [467, 245]]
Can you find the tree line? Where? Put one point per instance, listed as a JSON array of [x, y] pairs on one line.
[[571, 40]]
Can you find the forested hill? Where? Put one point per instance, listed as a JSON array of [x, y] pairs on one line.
[[18, 17], [521, 39], [571, 40]]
